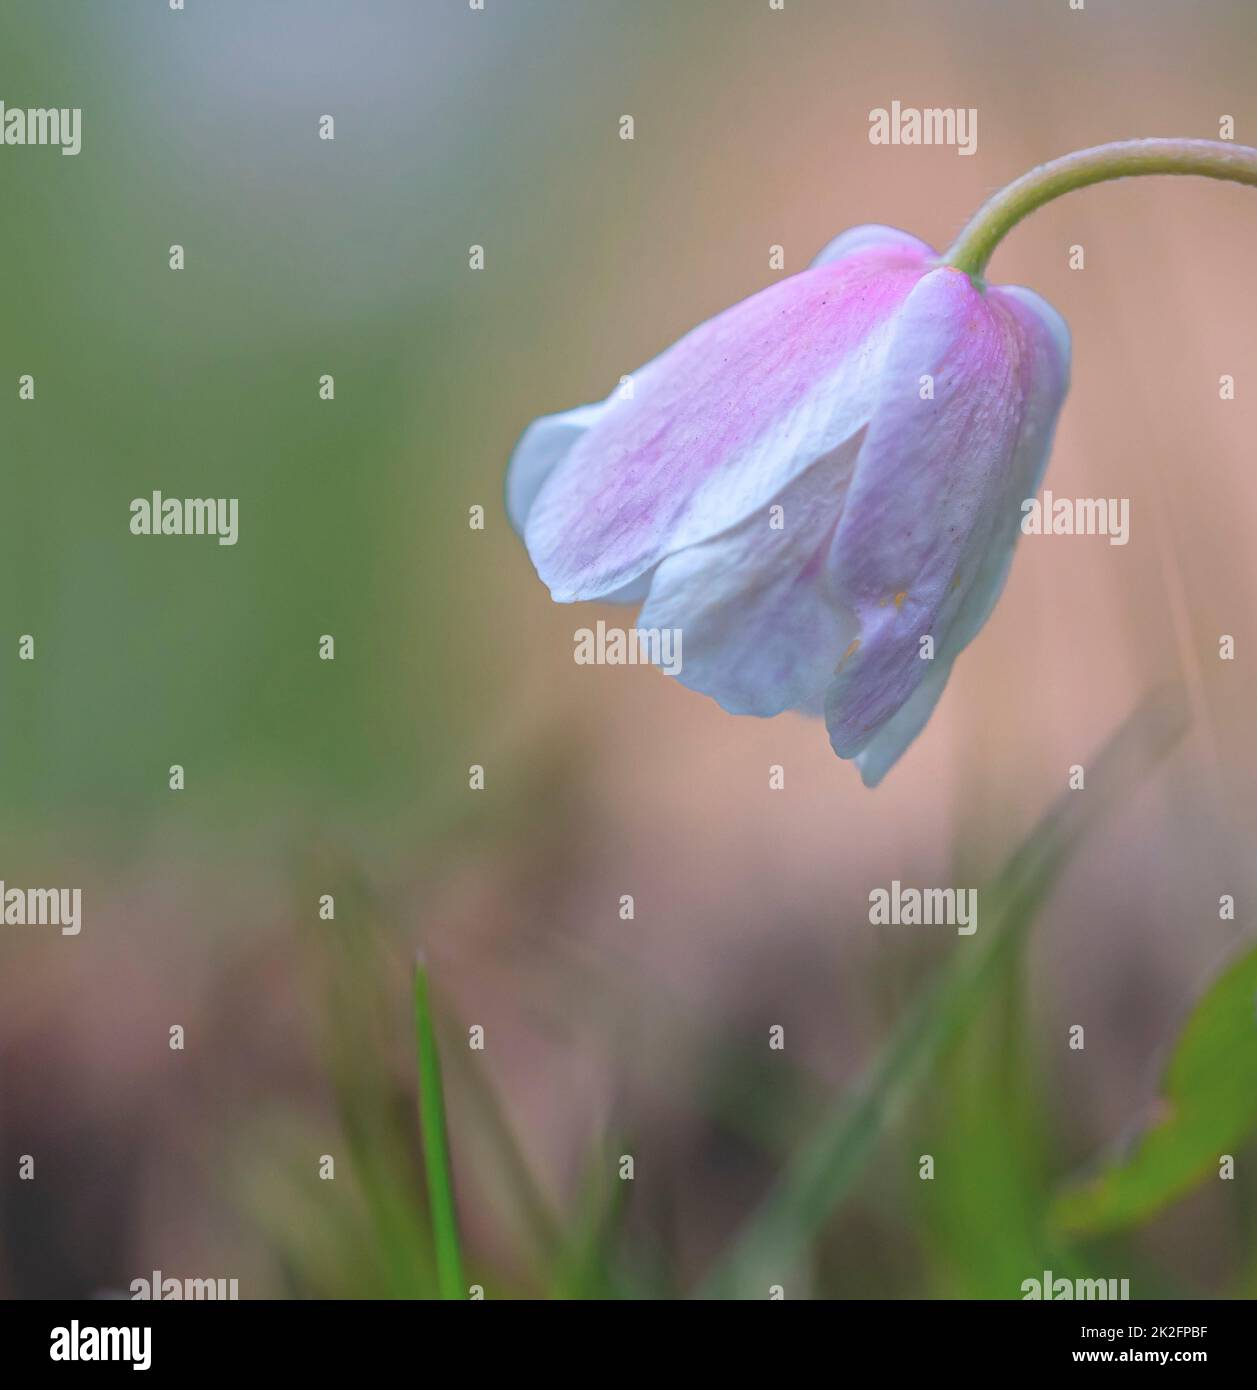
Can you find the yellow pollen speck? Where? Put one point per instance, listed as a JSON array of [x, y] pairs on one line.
[[899, 598], [851, 650]]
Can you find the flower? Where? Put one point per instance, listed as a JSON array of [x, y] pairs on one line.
[[811, 484]]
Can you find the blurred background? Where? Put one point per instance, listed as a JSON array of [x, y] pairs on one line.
[[603, 1037]]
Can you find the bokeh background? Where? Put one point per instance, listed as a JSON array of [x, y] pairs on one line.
[[603, 1037]]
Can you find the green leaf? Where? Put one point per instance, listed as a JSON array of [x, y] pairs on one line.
[[1209, 1104], [819, 1176]]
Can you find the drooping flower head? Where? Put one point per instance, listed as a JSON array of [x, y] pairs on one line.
[[820, 487]]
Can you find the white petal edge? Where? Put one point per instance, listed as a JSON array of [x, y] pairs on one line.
[[867, 237], [541, 448], [891, 741]]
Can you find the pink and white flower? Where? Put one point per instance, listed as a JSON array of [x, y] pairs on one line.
[[810, 484]]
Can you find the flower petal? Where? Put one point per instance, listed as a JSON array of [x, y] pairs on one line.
[[720, 423], [932, 511], [541, 448], [1044, 382], [888, 744], [870, 237], [759, 620]]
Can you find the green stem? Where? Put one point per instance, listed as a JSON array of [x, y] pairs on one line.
[[436, 1154], [1211, 159]]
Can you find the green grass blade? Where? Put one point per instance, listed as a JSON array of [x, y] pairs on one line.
[[816, 1180], [586, 1267], [521, 1206], [986, 1125], [449, 1260], [357, 1030], [1209, 1106]]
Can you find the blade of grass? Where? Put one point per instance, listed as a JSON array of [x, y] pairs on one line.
[[351, 968], [816, 1180], [586, 1267], [449, 1260], [1208, 1107], [984, 1120], [524, 1206]]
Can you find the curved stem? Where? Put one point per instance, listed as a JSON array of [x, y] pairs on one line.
[[1212, 159]]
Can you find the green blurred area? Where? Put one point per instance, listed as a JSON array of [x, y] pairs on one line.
[[204, 382]]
